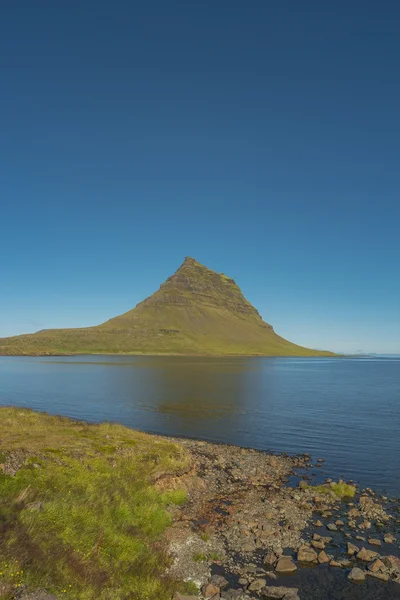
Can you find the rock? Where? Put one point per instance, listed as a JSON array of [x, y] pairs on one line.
[[219, 581], [392, 563], [270, 559], [356, 574], [366, 525], [376, 566], [316, 537], [388, 538], [319, 545], [177, 596], [210, 591], [381, 576], [366, 555], [323, 558], [307, 554], [318, 523], [335, 563], [352, 549], [280, 593], [249, 545], [243, 581], [331, 527], [285, 565], [374, 542], [257, 585], [339, 523]]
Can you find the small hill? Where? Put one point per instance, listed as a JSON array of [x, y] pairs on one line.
[[195, 312]]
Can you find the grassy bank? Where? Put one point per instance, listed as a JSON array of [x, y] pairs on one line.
[[80, 515]]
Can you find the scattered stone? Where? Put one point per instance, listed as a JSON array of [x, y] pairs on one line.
[[339, 523], [374, 542], [177, 596], [285, 565], [307, 554], [319, 545], [376, 566], [318, 523], [356, 574], [270, 559], [352, 549], [280, 593], [381, 576], [257, 585], [388, 538], [335, 563], [210, 591], [366, 555], [331, 527], [219, 581], [323, 558]]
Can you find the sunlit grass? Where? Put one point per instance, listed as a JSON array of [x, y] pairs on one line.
[[81, 516]]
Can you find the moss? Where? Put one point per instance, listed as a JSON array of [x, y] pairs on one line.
[[200, 557], [340, 490], [87, 523]]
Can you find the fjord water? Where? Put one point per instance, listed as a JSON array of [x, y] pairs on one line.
[[345, 410]]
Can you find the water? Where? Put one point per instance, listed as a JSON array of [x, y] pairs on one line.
[[344, 410]]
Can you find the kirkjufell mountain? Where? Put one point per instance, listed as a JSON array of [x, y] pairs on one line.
[[196, 311]]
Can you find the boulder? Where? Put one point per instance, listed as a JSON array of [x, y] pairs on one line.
[[307, 554], [210, 591], [285, 565], [257, 585], [323, 558], [280, 593], [356, 574], [376, 566], [374, 542], [270, 559], [381, 576], [352, 549], [219, 581], [367, 555]]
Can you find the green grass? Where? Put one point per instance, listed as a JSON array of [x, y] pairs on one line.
[[340, 490], [80, 519], [195, 312]]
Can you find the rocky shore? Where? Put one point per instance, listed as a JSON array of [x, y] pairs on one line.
[[256, 526], [101, 512]]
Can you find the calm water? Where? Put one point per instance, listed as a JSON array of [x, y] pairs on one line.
[[344, 410]]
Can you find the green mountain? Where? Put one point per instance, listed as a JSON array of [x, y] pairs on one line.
[[196, 311]]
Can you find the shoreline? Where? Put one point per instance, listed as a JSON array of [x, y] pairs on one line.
[[245, 531]]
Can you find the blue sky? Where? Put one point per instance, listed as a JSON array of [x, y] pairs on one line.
[[261, 138]]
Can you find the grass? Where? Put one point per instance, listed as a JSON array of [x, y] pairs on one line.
[[197, 311], [82, 517], [340, 490]]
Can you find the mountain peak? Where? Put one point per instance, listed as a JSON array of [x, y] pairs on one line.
[[195, 311]]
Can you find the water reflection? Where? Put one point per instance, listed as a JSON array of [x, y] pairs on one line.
[[335, 408]]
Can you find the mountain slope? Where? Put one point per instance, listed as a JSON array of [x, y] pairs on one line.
[[196, 311]]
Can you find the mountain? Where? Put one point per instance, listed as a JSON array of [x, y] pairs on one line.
[[196, 311]]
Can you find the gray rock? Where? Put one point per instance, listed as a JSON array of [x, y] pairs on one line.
[[257, 585], [331, 527], [280, 593], [219, 581]]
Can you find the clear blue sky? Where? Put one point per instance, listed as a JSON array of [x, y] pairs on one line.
[[262, 138]]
